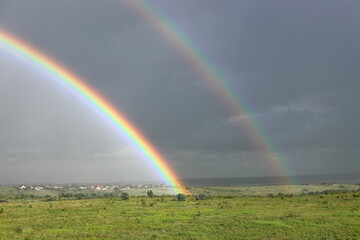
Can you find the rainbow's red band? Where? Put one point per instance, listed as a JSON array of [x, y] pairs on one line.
[[39, 62]]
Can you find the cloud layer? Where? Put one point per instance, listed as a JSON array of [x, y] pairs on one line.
[[293, 63]]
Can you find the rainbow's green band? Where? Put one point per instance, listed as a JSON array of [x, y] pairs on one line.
[[212, 77], [37, 61]]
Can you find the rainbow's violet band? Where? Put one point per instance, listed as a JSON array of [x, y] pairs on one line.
[[213, 78], [37, 61]]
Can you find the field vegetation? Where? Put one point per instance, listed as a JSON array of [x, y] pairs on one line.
[[210, 213]]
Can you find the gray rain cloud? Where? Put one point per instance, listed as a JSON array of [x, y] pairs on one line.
[[294, 64]]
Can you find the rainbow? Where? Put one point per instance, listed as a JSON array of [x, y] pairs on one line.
[[213, 78], [37, 61]]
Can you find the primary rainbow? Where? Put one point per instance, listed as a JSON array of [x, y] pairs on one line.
[[37, 61], [213, 78]]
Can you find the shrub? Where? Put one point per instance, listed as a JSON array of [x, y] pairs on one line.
[[201, 196], [180, 197], [66, 195], [108, 195], [49, 199], [150, 194], [79, 196], [124, 196]]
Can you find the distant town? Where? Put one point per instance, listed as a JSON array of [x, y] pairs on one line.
[[90, 187]]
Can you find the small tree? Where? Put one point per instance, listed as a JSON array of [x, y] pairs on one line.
[[150, 194], [180, 197], [124, 196]]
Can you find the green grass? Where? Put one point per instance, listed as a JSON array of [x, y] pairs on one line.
[[260, 190], [331, 216]]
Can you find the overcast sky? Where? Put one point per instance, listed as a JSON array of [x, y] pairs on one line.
[[295, 65]]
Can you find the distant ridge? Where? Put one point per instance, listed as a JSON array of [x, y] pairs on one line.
[[351, 178]]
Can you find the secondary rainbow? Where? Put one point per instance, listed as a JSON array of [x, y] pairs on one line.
[[39, 62], [213, 78]]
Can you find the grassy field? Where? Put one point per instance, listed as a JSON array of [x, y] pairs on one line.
[[323, 216], [264, 190]]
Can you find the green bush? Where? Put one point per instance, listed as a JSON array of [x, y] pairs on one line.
[[150, 194], [180, 197], [201, 196], [124, 196]]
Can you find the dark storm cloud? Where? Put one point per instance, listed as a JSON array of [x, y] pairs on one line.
[[294, 64]]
